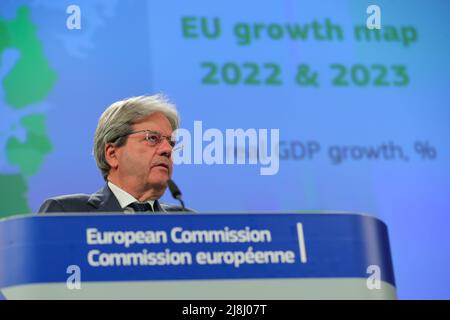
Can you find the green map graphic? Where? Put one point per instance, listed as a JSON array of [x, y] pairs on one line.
[[27, 83]]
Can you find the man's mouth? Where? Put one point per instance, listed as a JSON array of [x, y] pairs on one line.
[[163, 165]]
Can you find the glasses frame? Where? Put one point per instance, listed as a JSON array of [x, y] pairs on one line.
[[147, 137]]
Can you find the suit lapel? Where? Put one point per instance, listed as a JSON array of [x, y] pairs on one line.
[[157, 207], [104, 201]]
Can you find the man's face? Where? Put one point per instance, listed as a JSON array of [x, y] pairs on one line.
[[140, 163]]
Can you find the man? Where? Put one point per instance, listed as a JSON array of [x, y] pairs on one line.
[[133, 150]]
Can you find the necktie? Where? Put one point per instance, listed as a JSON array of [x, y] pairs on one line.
[[141, 207]]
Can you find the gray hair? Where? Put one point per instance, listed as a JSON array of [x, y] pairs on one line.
[[116, 123]]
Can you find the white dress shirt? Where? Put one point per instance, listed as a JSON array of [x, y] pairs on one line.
[[125, 199]]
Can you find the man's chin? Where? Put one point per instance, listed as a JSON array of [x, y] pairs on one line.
[[158, 182]]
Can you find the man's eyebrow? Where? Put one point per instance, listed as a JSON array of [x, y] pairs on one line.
[[155, 131]]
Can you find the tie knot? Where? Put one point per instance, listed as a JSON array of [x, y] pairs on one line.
[[141, 207]]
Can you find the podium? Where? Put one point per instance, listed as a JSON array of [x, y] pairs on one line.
[[223, 256]]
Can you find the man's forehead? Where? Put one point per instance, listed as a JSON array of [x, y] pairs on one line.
[[156, 121]]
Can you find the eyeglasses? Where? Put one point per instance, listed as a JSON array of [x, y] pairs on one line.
[[153, 137]]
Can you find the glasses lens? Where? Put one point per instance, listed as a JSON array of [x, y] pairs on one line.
[[172, 143], [177, 148], [153, 137]]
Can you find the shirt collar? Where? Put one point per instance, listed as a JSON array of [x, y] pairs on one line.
[[124, 198]]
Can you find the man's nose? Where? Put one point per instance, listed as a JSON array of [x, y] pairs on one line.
[[165, 149]]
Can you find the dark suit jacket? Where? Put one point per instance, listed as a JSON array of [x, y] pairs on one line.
[[103, 200]]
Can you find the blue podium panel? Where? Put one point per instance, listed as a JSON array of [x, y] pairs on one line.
[[196, 256]]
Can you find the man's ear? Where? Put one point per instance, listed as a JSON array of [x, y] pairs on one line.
[[111, 155]]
